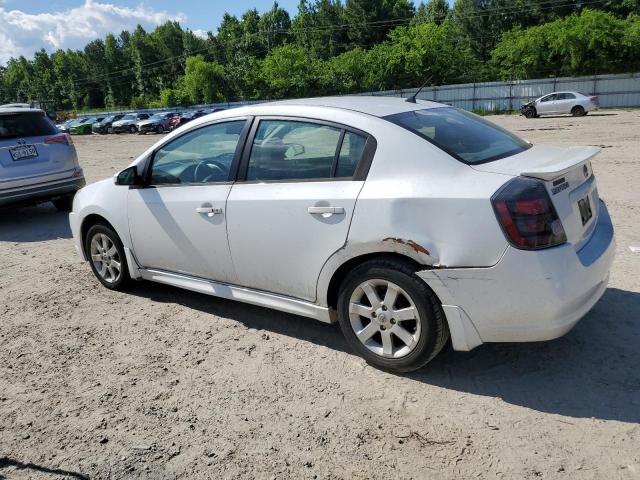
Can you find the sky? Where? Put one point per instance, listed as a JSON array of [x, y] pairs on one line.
[[29, 25]]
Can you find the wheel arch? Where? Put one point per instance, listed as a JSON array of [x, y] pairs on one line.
[[88, 222], [329, 296], [94, 218]]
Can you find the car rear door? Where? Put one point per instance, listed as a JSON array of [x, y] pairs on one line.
[[291, 207], [565, 102], [178, 221], [30, 151]]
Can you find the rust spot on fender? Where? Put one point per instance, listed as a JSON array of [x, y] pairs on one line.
[[409, 243]]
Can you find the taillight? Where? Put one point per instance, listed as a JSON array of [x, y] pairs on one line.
[[59, 138], [527, 216], [594, 100]]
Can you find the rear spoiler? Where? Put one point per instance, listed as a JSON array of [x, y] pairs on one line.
[[556, 167]]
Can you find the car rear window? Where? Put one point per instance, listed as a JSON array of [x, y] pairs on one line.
[[463, 135], [23, 125]]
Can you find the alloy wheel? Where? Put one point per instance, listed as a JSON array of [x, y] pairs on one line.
[[105, 258], [384, 318]]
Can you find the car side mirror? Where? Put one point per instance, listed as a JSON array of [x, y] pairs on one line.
[[295, 149], [129, 176]]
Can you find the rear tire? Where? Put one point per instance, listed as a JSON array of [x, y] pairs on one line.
[[406, 331], [106, 257], [578, 111], [64, 204], [133, 129], [160, 129]]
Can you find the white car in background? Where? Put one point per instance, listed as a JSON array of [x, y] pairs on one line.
[[557, 103], [408, 223]]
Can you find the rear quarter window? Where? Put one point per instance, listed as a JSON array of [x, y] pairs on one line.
[[463, 135], [24, 125]]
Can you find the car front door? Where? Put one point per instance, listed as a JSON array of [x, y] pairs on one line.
[[178, 221], [546, 104], [292, 205]]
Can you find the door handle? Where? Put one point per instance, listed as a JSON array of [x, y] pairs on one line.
[[210, 211], [322, 210]]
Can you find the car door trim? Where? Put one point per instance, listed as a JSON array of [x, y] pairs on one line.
[[360, 173], [262, 298]]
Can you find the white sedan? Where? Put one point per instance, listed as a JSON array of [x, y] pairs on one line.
[[408, 223], [574, 103]]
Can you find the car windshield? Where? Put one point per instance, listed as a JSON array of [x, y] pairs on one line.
[[463, 135], [157, 116], [109, 118], [25, 125], [129, 117]]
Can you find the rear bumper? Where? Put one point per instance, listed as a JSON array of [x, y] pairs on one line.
[[41, 192], [528, 295]]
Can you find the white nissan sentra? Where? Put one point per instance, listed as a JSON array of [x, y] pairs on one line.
[[407, 223]]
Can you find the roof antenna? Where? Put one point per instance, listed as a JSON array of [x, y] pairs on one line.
[[412, 98]]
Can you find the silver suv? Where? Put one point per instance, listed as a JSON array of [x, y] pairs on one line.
[[38, 163]]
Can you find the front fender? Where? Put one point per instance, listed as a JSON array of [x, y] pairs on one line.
[[107, 200]]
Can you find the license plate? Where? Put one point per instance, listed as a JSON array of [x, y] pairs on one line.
[[584, 205], [23, 151]]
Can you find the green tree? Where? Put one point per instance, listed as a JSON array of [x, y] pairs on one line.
[[589, 43], [369, 21], [203, 81], [290, 71]]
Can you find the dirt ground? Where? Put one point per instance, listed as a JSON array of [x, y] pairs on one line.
[[160, 383]]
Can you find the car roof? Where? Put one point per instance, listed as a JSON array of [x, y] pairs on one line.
[[18, 108], [563, 91], [377, 106]]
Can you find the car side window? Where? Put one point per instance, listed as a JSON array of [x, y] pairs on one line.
[[292, 150], [566, 96], [350, 154], [549, 98], [201, 156]]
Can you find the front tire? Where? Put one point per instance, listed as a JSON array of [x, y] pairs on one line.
[[106, 257], [160, 129], [530, 113], [390, 317]]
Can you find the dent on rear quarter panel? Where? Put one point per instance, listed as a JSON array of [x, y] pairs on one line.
[[419, 202]]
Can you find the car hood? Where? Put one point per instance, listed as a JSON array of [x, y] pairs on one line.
[[147, 122]]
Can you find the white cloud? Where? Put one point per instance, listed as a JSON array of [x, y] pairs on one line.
[[198, 32], [23, 33]]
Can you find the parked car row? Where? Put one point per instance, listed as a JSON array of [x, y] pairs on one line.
[[137, 122]]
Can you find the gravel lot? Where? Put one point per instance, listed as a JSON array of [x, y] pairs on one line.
[[162, 383]]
